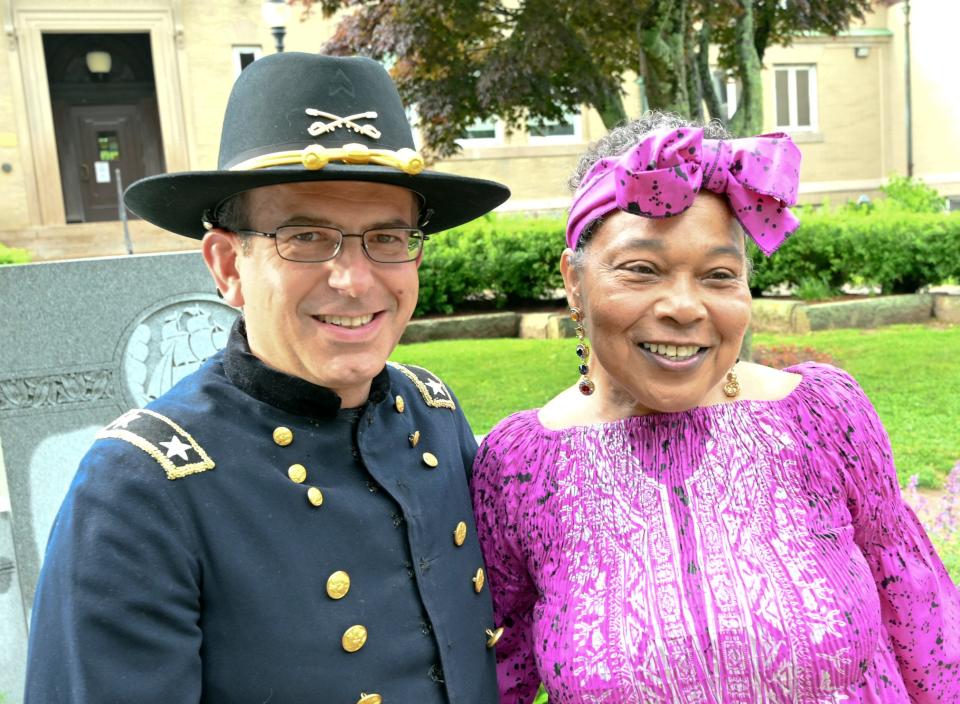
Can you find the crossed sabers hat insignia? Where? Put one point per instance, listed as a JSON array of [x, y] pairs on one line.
[[319, 127]]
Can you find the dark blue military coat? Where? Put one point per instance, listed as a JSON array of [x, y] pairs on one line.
[[242, 539]]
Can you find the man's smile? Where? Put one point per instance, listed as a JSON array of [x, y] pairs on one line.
[[346, 321]]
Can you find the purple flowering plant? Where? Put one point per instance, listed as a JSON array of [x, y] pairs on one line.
[[940, 516]]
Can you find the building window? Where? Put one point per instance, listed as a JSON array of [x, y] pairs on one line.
[[795, 88], [566, 129], [243, 56], [482, 133]]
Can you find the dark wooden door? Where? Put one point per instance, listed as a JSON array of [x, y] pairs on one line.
[[129, 134], [107, 138]]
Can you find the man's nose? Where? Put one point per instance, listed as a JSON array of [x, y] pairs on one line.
[[351, 271], [681, 301]]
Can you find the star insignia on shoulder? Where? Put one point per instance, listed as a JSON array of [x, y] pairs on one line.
[[436, 387], [435, 394], [176, 448], [171, 446]]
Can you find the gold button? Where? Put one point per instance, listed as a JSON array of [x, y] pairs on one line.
[[354, 638], [338, 584], [399, 404], [430, 460], [414, 438], [297, 473], [283, 436], [460, 534], [369, 699], [494, 636], [315, 496], [478, 581]]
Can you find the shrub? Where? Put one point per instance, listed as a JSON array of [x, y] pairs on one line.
[[522, 259], [911, 195], [13, 255], [508, 259], [514, 259], [897, 250], [814, 289]]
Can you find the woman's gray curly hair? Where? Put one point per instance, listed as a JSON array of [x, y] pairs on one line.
[[622, 138]]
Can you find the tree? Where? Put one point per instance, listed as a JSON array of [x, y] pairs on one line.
[[463, 60]]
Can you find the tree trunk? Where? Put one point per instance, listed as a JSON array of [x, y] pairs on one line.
[[710, 95], [609, 104], [748, 119], [663, 60], [695, 84]]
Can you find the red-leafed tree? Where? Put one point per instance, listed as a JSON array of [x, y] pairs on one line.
[[460, 60]]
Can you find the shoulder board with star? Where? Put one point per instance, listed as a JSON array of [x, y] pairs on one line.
[[171, 446], [434, 391]]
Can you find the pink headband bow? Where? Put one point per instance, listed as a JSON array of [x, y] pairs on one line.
[[660, 177]]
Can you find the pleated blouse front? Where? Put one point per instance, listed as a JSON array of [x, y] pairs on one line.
[[740, 553]]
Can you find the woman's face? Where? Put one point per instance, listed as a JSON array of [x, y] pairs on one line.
[[666, 305]]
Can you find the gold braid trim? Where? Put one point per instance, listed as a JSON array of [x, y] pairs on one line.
[[173, 471], [316, 157], [429, 398]]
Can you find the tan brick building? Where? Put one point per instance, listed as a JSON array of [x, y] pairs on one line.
[[65, 129]]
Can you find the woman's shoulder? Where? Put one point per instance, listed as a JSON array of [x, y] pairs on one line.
[[807, 380], [827, 382], [761, 383], [517, 445], [517, 429]]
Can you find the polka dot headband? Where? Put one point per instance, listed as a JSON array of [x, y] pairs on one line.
[[661, 176]]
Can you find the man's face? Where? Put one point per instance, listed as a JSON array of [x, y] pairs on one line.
[[333, 323]]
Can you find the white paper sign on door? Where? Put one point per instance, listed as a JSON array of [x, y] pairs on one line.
[[102, 171]]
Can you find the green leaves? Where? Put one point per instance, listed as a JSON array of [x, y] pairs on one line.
[[460, 60], [511, 260], [898, 250], [14, 255], [503, 259]]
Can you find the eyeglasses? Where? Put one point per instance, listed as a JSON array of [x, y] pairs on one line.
[[315, 243]]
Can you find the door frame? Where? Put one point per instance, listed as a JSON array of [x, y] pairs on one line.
[[32, 92]]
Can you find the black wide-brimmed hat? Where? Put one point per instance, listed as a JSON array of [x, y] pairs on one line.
[[296, 117]]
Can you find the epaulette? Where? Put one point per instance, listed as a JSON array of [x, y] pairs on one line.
[[434, 391], [170, 445]]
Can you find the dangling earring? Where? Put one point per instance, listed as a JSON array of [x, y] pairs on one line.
[[732, 388], [583, 352]]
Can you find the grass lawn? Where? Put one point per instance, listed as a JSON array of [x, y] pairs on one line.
[[910, 372]]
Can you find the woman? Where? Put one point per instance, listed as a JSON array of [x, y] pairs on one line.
[[679, 526]]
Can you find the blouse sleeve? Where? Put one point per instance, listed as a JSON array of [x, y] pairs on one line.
[[920, 606], [496, 497]]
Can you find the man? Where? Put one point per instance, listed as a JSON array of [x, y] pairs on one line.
[[291, 523]]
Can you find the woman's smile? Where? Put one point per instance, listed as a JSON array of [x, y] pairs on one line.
[[674, 358]]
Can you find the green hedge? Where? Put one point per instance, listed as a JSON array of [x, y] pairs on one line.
[[505, 258], [896, 250], [13, 255], [513, 258]]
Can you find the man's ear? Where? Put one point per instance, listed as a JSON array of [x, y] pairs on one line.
[[571, 278], [221, 251]]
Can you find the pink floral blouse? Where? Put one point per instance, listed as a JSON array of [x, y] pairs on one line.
[[756, 551]]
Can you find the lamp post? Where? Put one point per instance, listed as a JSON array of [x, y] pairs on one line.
[[276, 13]]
